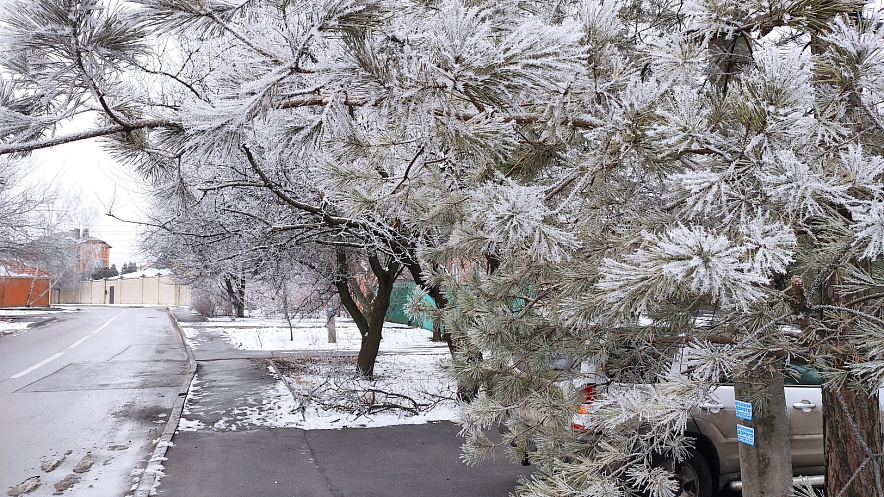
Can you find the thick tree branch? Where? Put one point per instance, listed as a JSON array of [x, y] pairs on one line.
[[282, 195], [16, 148], [524, 118], [344, 294]]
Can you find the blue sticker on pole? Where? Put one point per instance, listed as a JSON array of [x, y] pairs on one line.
[[746, 435], [744, 410]]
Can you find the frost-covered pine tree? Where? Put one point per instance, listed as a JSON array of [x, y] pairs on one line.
[[604, 181], [201, 96]]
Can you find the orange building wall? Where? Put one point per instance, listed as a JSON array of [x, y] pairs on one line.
[[14, 292], [94, 254]]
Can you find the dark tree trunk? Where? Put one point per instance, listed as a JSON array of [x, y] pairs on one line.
[[852, 443], [235, 287], [851, 417], [369, 347], [369, 318], [371, 342]]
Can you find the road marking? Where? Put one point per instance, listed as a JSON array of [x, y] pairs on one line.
[[56, 356], [35, 366], [78, 342], [107, 323]]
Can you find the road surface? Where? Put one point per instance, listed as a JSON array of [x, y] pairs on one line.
[[83, 399]]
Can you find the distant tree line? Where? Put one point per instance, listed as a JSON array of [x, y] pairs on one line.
[[111, 272]]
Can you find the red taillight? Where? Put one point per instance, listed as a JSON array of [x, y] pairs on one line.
[[583, 410], [588, 396]]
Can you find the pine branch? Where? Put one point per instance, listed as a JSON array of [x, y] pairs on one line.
[[17, 148], [407, 170], [112, 114], [241, 37], [853, 312], [282, 195], [524, 119]]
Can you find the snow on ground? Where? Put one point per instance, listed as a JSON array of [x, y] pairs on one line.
[[322, 390], [407, 389], [13, 320], [7, 327], [312, 334]]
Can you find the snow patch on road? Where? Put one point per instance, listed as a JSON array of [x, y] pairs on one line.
[[190, 425], [7, 327]]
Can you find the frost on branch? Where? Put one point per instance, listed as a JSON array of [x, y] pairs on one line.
[[656, 481], [701, 191], [771, 246], [684, 262], [856, 51], [870, 229], [795, 184], [683, 124], [862, 171], [513, 218], [709, 364]]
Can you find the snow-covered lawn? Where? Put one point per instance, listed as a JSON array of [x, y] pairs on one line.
[[322, 390], [312, 334]]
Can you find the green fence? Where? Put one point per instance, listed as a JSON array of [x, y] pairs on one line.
[[402, 290]]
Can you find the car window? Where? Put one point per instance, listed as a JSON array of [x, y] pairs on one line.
[[797, 374]]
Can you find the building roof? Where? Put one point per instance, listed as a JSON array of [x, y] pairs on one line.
[[94, 240]]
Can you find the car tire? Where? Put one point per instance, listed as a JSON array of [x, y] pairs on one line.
[[692, 474]]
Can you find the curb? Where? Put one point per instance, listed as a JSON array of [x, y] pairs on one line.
[[149, 480]]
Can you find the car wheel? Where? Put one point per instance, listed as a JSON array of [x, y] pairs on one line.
[[692, 475]]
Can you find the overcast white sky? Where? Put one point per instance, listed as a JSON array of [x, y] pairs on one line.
[[85, 168]]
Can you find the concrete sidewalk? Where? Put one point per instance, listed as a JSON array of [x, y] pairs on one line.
[[237, 453]]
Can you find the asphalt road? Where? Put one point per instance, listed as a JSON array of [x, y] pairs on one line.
[[83, 399]]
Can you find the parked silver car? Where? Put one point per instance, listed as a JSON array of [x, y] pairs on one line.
[[715, 462]]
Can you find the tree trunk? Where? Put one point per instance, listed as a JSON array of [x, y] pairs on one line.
[[330, 328], [371, 342], [852, 443], [236, 294], [368, 350], [437, 332], [28, 300], [766, 467], [370, 318], [851, 418], [241, 297]]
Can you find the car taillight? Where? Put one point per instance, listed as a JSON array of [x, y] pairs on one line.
[[588, 396], [583, 410]]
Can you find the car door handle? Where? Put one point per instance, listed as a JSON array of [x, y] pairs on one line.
[[713, 407], [804, 405]]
